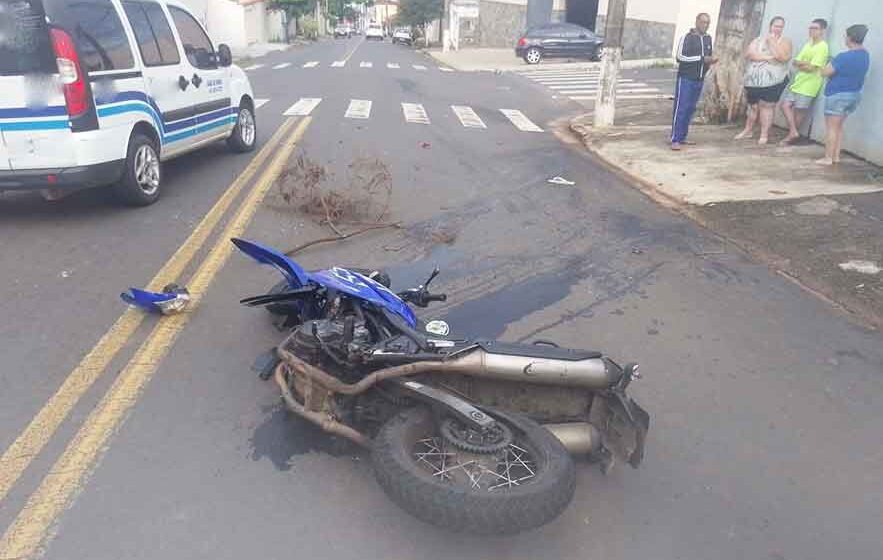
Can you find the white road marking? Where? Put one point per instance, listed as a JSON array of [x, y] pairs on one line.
[[647, 96], [311, 64], [258, 103], [521, 122], [392, 65], [281, 66], [358, 109], [468, 117], [338, 64], [443, 69], [303, 107], [253, 67], [419, 67], [415, 113], [366, 64]]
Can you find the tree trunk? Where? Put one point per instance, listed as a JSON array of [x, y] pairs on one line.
[[739, 23]]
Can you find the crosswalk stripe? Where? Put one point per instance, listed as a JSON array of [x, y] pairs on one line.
[[635, 96], [419, 67], [358, 109], [253, 67], [366, 64], [281, 66], [392, 65], [338, 64], [521, 122], [415, 113], [580, 81], [443, 69], [468, 117], [618, 90], [258, 103], [303, 107], [311, 64]]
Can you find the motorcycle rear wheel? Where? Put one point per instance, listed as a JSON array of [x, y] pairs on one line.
[[522, 487]]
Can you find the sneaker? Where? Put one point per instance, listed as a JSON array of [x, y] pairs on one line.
[[676, 146]]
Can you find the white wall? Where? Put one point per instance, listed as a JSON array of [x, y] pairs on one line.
[[224, 20], [665, 11], [256, 22], [864, 129], [276, 26], [687, 12]]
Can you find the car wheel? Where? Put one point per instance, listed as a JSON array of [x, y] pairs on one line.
[[533, 55], [596, 55], [245, 133], [140, 185]]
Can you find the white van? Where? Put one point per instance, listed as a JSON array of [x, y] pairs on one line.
[[99, 92]]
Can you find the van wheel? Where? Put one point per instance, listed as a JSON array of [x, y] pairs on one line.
[[245, 132], [140, 185]]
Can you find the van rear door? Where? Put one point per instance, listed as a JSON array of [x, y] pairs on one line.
[[33, 117]]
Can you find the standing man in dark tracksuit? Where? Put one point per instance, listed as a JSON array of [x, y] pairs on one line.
[[694, 60]]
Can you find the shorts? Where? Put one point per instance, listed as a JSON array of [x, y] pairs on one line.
[[799, 100], [842, 104], [769, 94]]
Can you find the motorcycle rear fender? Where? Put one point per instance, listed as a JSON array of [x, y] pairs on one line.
[[623, 425]]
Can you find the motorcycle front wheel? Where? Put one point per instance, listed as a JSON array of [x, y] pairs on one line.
[[433, 469]]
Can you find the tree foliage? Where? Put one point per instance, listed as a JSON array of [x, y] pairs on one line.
[[418, 13], [294, 8]]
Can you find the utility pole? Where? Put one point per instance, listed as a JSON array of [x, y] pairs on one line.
[[611, 59], [446, 26]]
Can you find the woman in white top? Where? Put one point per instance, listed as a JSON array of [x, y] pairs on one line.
[[766, 77]]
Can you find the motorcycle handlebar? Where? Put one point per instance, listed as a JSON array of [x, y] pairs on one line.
[[436, 297]]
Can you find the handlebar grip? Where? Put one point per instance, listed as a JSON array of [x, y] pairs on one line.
[[437, 297]]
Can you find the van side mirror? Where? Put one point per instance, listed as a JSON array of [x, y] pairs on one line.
[[225, 57]]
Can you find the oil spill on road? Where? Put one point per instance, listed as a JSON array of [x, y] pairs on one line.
[[283, 436]]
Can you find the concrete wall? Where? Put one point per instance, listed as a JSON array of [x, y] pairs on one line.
[[500, 24], [276, 26], [223, 19], [647, 10], [643, 38], [256, 22], [864, 129], [686, 20]]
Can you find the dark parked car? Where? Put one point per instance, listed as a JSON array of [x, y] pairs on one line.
[[559, 40]]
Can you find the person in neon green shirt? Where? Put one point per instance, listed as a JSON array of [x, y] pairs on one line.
[[808, 82]]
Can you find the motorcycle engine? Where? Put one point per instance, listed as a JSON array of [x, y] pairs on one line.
[[338, 339]]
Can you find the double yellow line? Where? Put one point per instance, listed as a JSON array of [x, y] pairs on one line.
[[31, 527]]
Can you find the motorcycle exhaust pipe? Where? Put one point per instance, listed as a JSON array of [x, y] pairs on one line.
[[579, 438], [590, 373]]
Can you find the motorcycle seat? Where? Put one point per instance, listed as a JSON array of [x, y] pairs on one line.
[[544, 351]]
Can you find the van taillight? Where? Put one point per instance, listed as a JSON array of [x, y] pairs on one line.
[[72, 77]]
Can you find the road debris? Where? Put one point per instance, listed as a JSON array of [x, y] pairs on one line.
[[558, 180], [862, 267], [173, 299]]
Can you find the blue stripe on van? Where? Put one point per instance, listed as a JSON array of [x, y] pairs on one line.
[[33, 112], [34, 125], [139, 102]]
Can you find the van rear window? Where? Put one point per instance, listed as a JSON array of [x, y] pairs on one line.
[[24, 39]]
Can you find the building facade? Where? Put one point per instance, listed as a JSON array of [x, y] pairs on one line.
[[864, 130]]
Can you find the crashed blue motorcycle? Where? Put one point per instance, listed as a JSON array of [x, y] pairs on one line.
[[472, 435]]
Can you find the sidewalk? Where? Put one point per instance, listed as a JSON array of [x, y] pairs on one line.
[[257, 50], [820, 226], [504, 60]]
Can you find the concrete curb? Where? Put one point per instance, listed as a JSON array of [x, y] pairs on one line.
[[853, 310], [464, 66]]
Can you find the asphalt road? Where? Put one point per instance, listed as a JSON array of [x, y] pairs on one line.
[[765, 402]]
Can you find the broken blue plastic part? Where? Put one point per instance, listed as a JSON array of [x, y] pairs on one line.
[[147, 300]]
